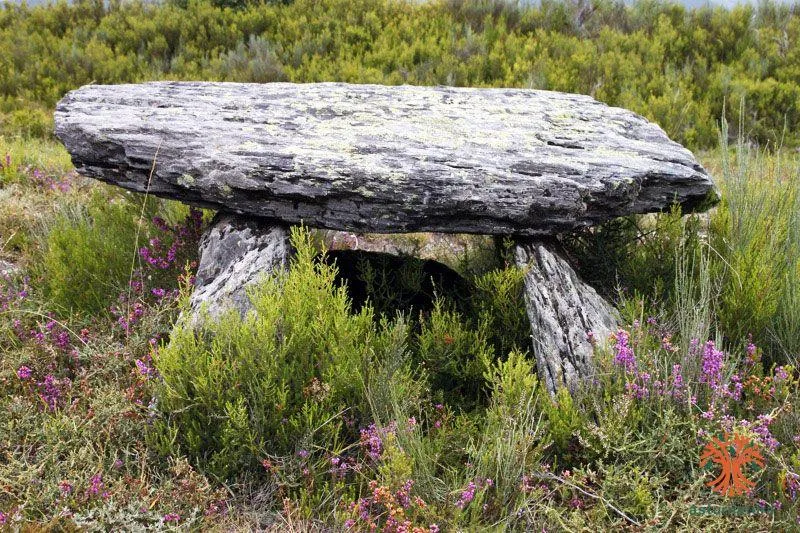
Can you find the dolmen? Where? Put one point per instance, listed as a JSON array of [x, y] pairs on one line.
[[522, 163]]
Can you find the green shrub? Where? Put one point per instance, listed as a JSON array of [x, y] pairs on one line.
[[676, 66], [254, 61], [29, 122], [242, 388], [501, 307], [89, 253], [514, 431], [638, 254], [565, 423], [455, 354], [754, 233]]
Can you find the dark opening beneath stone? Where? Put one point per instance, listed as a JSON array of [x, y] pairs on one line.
[[394, 283]]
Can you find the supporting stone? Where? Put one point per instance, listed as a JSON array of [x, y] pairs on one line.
[[234, 252], [562, 309]]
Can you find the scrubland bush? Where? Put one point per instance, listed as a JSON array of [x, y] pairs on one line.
[[755, 234], [681, 68], [732, 273], [274, 380], [312, 412], [94, 250], [84, 263]]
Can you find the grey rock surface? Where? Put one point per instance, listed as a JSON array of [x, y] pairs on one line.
[[234, 252], [369, 158], [563, 310]]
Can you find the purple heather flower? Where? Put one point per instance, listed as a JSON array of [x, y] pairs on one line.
[[372, 442], [24, 372], [636, 391], [781, 374], [576, 503], [738, 387], [623, 353], [172, 517], [61, 340], [467, 495], [404, 494], [144, 368], [761, 428], [95, 485], [712, 365], [50, 390], [792, 484], [667, 345], [677, 378]]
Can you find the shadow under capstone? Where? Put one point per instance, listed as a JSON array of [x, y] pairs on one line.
[[392, 283]]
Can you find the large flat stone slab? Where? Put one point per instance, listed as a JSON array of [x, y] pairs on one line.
[[382, 159]]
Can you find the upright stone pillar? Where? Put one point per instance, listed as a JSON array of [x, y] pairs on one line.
[[234, 252], [564, 313]]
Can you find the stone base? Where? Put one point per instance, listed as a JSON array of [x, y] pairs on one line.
[[234, 252], [562, 310]]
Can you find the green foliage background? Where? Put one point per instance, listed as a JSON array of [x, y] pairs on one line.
[[247, 423], [682, 68]]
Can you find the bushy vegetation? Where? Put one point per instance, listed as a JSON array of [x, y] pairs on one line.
[[682, 68], [316, 413], [408, 406]]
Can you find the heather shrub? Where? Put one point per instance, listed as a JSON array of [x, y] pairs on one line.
[[456, 354], [732, 274], [94, 253], [31, 122], [564, 423], [638, 254], [757, 242], [674, 65], [500, 305], [514, 433], [320, 413], [88, 253], [275, 380], [253, 61]]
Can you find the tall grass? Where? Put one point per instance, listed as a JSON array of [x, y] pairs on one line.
[[755, 234]]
